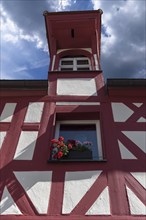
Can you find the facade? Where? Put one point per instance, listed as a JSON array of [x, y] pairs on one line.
[[101, 171]]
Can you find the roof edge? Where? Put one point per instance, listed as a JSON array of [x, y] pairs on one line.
[[126, 82], [45, 13], [24, 84]]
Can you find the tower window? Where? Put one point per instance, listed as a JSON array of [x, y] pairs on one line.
[[74, 64]]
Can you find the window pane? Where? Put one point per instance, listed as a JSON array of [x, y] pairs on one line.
[[83, 68], [80, 132], [82, 62], [66, 69], [67, 62]]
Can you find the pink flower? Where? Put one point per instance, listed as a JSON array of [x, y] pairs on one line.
[[70, 146], [61, 138]]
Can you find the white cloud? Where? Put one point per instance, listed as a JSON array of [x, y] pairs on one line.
[[59, 5], [24, 39], [63, 4], [96, 4]]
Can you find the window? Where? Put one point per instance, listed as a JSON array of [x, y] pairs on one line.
[[74, 64], [82, 131]]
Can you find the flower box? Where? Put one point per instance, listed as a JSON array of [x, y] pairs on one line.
[[72, 149], [80, 155]]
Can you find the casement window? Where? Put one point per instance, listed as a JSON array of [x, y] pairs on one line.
[[82, 131], [74, 64]]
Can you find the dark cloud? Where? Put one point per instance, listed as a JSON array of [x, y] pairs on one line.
[[123, 31], [126, 57], [28, 14]]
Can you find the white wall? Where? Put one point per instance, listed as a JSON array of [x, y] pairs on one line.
[[79, 87]]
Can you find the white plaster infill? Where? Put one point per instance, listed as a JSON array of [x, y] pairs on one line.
[[7, 205], [121, 112], [34, 112], [140, 177], [26, 145], [138, 104], [78, 87], [8, 112], [138, 138], [76, 186], [125, 153], [37, 185], [141, 119], [2, 137], [102, 205], [136, 206]]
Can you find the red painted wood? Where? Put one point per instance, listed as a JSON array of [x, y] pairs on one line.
[[66, 217], [39, 161], [13, 134], [117, 193], [133, 148], [2, 184], [65, 98], [56, 201], [108, 132], [30, 126], [45, 134], [136, 187], [81, 22], [78, 108], [116, 180], [90, 197], [52, 84], [73, 74], [2, 104], [20, 197], [4, 126], [139, 112], [130, 126]]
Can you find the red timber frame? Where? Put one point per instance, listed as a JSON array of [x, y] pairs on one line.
[[53, 76], [116, 172]]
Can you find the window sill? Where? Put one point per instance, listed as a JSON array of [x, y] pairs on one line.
[[76, 160]]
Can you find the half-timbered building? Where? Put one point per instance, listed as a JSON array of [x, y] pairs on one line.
[[73, 146]]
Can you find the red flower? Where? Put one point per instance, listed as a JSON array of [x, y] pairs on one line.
[[70, 146], [60, 154], [54, 141], [62, 144], [61, 138]]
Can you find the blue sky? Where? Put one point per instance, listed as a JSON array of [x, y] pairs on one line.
[[24, 49]]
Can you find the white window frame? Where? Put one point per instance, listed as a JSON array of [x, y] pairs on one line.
[[74, 66], [95, 152]]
